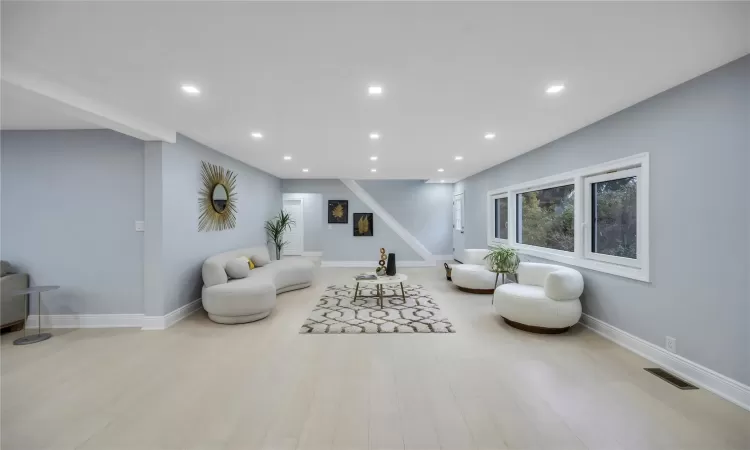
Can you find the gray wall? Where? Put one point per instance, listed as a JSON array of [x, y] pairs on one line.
[[697, 137], [425, 210], [336, 241], [69, 203], [184, 248]]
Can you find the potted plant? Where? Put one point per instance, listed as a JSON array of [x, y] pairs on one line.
[[502, 260], [275, 229]]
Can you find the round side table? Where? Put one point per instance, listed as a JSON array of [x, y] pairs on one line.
[[39, 336]]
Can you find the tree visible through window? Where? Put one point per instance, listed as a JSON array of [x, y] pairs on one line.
[[545, 218], [614, 217], [501, 218]]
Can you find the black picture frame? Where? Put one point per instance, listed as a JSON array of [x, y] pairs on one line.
[[364, 228], [336, 215]]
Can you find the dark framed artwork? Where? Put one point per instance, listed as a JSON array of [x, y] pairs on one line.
[[363, 224], [338, 211]]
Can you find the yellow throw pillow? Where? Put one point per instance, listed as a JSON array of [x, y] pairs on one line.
[[249, 262]]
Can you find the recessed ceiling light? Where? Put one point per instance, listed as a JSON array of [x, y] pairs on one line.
[[256, 135], [373, 170], [489, 136], [375, 90], [190, 89], [305, 170], [442, 181], [441, 170], [287, 158], [374, 136], [373, 158], [459, 158], [555, 88]]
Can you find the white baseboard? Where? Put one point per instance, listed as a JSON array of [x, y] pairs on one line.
[[114, 320], [86, 321], [164, 322], [312, 254], [373, 264], [719, 384]]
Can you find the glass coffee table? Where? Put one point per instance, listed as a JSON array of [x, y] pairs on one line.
[[399, 279], [39, 336]]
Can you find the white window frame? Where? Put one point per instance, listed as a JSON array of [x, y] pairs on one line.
[[531, 248], [588, 225], [491, 222], [581, 255]]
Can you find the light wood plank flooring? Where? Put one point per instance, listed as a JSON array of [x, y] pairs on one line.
[[201, 385]]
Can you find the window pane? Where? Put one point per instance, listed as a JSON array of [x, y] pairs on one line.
[[545, 218], [614, 217], [501, 218]]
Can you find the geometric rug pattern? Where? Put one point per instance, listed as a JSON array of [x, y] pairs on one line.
[[338, 312]]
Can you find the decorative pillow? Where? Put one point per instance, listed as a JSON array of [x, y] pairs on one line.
[[248, 261], [260, 260], [237, 268]]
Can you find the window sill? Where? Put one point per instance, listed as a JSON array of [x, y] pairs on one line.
[[633, 273]]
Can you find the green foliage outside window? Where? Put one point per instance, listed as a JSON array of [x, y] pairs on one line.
[[615, 224], [547, 218]]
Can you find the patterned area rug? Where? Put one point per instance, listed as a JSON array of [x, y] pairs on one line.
[[338, 312]]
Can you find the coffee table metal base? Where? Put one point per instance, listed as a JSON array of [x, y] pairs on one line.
[[33, 339], [379, 295]]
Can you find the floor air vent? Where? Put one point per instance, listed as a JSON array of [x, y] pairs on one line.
[[671, 379]]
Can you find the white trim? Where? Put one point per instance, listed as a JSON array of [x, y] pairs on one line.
[[164, 322], [389, 220], [578, 256], [85, 321], [78, 105], [372, 265], [459, 198], [114, 320], [491, 213], [312, 254], [599, 266], [701, 376], [588, 219]]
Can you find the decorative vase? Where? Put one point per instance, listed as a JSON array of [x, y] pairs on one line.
[[390, 268]]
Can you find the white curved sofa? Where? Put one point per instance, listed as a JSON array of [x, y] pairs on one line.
[[545, 299], [473, 275], [249, 299]]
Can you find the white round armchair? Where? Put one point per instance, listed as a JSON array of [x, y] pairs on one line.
[[545, 299], [473, 275]]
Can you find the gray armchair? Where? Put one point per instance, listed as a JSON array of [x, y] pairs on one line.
[[12, 309]]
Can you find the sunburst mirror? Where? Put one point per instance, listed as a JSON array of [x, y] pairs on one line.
[[217, 198]]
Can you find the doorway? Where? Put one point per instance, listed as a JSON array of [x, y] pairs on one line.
[[458, 227], [295, 237]]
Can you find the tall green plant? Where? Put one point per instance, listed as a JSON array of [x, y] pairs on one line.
[[275, 229], [502, 259]]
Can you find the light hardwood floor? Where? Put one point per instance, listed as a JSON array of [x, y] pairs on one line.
[[201, 385]]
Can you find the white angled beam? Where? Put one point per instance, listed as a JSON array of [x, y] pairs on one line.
[[85, 108], [390, 220]]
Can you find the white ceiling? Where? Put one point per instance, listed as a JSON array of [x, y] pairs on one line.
[[21, 110], [299, 73]]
